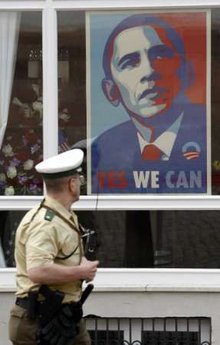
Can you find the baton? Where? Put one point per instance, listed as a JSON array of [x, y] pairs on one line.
[[86, 293]]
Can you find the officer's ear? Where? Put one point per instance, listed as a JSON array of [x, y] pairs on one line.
[[111, 91], [71, 183]]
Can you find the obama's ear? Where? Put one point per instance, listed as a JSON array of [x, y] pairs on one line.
[[111, 91]]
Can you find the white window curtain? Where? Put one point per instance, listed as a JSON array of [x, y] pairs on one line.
[[9, 30]]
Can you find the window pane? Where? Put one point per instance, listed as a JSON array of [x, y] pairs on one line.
[[71, 72], [21, 103], [142, 239], [88, 109], [9, 222], [215, 84], [139, 239]]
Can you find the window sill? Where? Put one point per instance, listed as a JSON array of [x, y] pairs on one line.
[[140, 280]]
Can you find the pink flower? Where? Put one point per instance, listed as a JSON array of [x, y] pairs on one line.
[[22, 156]]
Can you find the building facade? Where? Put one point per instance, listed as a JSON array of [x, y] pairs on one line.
[[112, 77]]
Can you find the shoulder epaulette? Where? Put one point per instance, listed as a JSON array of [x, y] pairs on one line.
[[49, 215]]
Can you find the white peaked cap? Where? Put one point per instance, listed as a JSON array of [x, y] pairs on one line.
[[63, 164]]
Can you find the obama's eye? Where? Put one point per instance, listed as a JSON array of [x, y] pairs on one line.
[[160, 52], [129, 61]]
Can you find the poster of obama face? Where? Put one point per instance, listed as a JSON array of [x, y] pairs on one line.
[[148, 113]]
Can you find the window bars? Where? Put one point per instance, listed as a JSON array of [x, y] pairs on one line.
[[150, 331]]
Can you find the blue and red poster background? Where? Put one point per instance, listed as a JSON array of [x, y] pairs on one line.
[[147, 85]]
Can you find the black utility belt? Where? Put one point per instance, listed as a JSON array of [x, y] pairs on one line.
[[52, 304], [24, 302]]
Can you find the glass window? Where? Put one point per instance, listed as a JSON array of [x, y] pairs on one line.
[[138, 239], [155, 239], [9, 223], [72, 76], [215, 83], [95, 115], [21, 103], [185, 239]]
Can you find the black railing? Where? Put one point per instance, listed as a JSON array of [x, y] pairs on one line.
[[150, 331]]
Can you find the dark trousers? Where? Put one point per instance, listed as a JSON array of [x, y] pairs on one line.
[[22, 331]]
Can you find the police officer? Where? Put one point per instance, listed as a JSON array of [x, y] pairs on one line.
[[49, 252]]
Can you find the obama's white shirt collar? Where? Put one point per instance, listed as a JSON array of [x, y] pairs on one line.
[[165, 141]]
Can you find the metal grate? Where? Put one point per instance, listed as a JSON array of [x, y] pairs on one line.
[[170, 338], [150, 331]]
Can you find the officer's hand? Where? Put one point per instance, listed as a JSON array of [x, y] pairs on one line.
[[88, 269]]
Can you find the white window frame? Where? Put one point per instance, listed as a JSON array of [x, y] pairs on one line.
[[109, 279]]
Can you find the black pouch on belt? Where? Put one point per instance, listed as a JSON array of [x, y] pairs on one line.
[[62, 327], [32, 305]]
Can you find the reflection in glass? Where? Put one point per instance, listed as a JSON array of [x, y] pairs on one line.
[[138, 239], [71, 74]]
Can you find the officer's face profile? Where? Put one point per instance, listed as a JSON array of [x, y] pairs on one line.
[[144, 67]]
